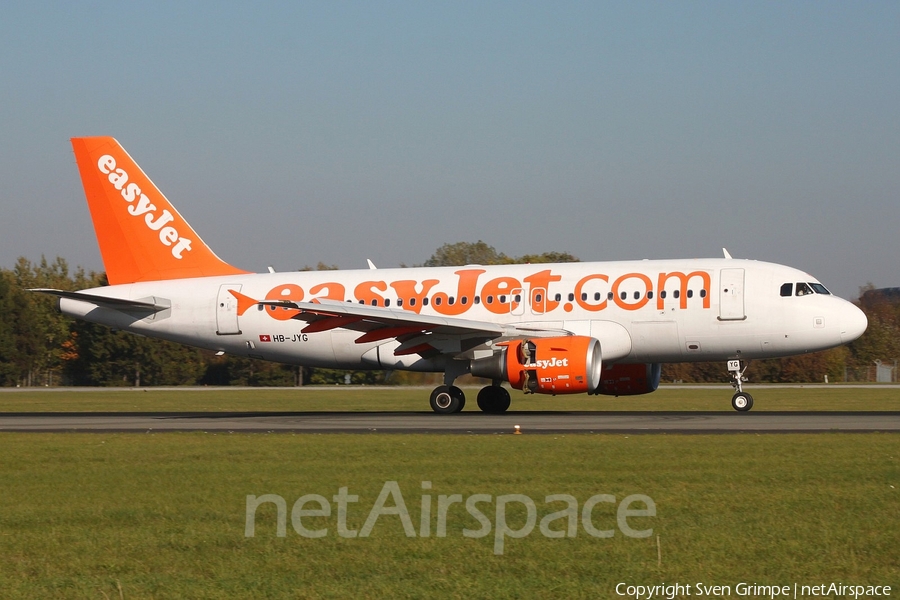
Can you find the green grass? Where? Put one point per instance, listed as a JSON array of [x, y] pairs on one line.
[[162, 515], [835, 397]]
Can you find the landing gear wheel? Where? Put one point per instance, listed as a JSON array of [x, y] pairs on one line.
[[493, 399], [447, 399], [459, 395], [742, 401]]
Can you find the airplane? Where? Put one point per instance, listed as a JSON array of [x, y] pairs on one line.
[[588, 327]]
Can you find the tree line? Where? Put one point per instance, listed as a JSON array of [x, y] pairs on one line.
[[41, 347]]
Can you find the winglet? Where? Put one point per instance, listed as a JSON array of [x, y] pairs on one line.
[[141, 235]]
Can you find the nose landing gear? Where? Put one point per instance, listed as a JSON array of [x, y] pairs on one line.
[[741, 401]]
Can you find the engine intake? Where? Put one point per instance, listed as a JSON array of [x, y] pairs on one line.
[[559, 365]]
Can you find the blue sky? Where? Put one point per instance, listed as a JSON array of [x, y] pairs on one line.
[[292, 133]]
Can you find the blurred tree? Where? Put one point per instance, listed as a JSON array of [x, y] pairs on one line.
[[479, 253], [320, 266], [881, 341], [548, 257], [10, 372], [466, 253]]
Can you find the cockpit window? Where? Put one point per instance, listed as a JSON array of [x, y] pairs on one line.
[[803, 289]]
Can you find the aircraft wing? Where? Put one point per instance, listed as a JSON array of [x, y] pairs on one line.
[[417, 334]]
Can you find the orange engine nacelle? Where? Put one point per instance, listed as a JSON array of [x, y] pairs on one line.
[[560, 365], [629, 380]]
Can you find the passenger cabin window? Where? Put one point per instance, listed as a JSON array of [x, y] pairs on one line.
[[787, 289]]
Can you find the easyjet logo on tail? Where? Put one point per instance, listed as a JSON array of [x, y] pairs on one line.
[[140, 206]]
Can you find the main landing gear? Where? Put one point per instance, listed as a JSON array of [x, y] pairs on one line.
[[741, 401], [447, 399], [493, 399]]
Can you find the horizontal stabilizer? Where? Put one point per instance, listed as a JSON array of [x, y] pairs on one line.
[[105, 301]]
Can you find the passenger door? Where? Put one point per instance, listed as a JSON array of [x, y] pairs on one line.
[[731, 295], [227, 310]]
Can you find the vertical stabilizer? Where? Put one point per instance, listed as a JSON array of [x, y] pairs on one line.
[[141, 235]]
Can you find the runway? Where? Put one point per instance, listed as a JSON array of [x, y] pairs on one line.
[[466, 422]]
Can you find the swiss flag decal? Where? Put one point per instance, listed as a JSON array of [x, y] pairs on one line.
[[265, 338]]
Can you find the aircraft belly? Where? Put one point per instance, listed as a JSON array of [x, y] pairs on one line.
[[726, 340], [383, 357], [345, 349], [656, 341]]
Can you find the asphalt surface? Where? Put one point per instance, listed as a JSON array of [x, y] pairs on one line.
[[466, 422]]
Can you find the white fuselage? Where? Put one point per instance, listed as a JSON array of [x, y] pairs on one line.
[[647, 311]]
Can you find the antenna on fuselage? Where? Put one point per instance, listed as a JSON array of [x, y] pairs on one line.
[[725, 252]]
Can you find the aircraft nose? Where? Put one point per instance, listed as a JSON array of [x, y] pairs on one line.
[[853, 323]]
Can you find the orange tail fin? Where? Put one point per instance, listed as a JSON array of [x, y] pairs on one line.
[[141, 235]]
